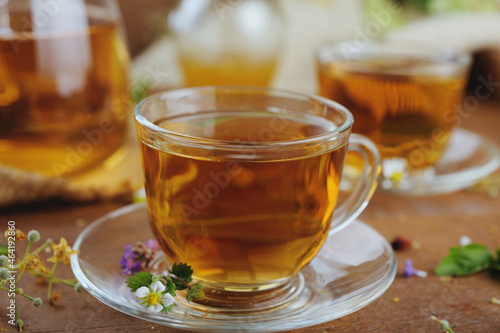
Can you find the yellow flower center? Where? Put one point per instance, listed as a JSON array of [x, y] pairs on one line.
[[153, 298], [396, 177]]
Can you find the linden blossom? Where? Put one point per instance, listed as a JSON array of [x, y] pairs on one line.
[[31, 263]]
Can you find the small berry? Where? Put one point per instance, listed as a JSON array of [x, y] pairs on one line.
[[4, 273], [78, 287], [37, 302], [4, 261], [401, 243], [33, 236], [444, 325]]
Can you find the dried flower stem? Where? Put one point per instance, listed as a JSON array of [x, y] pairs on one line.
[[51, 279], [18, 293], [27, 249], [20, 327], [42, 247], [19, 277], [68, 282], [187, 285]]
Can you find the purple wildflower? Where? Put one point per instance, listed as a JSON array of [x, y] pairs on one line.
[[138, 257], [128, 263], [410, 271]]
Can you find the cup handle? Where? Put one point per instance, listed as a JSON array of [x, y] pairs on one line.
[[357, 201]]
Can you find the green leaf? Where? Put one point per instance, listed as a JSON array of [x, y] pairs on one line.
[[171, 287], [465, 260], [195, 292], [141, 279], [139, 92], [168, 309], [184, 273], [157, 278], [422, 4], [496, 264], [4, 249]]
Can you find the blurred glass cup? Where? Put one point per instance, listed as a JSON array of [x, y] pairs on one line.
[[403, 95], [63, 85], [228, 42]]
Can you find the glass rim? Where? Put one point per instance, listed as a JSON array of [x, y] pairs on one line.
[[441, 54], [339, 133]]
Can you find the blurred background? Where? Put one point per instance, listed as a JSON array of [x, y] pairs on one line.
[[472, 25], [145, 21], [179, 43]]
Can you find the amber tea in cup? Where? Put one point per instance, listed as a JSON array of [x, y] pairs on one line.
[[242, 183], [403, 96]]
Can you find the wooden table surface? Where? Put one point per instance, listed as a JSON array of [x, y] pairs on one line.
[[436, 222]]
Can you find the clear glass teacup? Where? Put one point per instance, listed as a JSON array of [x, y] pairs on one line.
[[404, 95], [242, 184]]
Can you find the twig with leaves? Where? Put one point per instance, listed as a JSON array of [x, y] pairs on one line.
[[469, 259], [31, 263]]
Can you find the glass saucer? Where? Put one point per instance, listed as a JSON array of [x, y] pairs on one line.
[[468, 158], [354, 267]]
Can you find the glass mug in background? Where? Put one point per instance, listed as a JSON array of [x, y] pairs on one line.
[[228, 42], [242, 183], [404, 96], [63, 85]]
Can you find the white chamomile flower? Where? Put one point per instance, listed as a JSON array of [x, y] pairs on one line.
[[393, 171], [153, 297], [465, 240]]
